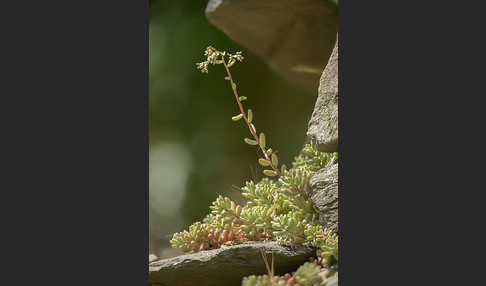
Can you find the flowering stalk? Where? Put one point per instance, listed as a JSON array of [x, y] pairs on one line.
[[250, 126], [216, 57]]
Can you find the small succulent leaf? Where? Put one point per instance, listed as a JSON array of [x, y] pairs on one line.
[[250, 141], [274, 159], [264, 162], [250, 115], [237, 117], [262, 140], [270, 173]]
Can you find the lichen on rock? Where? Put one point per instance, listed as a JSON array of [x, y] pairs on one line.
[[323, 125], [325, 197]]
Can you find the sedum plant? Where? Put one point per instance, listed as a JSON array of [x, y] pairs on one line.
[[306, 275], [278, 207]]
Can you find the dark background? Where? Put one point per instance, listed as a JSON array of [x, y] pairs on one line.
[[196, 151]]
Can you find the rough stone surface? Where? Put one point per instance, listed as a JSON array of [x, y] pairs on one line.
[[323, 126], [331, 281], [324, 195], [225, 266], [294, 37], [152, 257]]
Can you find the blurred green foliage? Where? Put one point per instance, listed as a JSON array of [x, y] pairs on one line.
[[193, 111]]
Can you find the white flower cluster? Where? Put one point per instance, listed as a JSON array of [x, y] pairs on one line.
[[215, 57], [234, 58]]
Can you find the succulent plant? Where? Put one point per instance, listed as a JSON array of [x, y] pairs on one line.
[[306, 275], [278, 207], [278, 210]]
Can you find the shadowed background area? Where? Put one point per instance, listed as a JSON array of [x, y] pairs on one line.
[[196, 151]]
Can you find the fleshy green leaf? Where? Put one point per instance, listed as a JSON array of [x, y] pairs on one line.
[[250, 141], [270, 173], [274, 159], [262, 140], [252, 127], [237, 117], [264, 162]]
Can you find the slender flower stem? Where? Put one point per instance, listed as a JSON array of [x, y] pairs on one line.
[[242, 110]]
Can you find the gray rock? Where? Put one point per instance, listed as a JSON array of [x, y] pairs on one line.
[[152, 257], [226, 266], [294, 37], [332, 281], [323, 126], [324, 195]]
